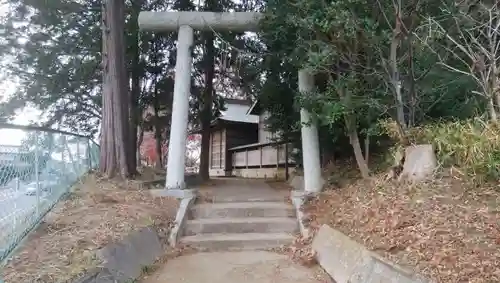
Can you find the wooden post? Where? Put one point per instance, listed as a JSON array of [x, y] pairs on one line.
[[220, 151]]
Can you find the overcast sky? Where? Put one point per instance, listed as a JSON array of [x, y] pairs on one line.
[[24, 117]]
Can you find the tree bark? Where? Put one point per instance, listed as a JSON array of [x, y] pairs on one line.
[[140, 139], [395, 76], [114, 157], [358, 153], [157, 124], [412, 91], [492, 111], [352, 133], [136, 83], [206, 115]]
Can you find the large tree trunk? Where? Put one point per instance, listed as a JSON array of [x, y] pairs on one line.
[[140, 139], [136, 83], [114, 158], [206, 115], [157, 124]]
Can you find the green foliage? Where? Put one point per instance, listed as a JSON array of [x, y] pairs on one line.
[[472, 145], [347, 43], [53, 49], [55, 58]]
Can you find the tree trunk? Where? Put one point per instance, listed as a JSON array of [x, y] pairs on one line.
[[158, 137], [206, 115], [367, 148], [358, 153], [352, 133], [412, 90], [114, 157], [492, 110], [395, 78], [140, 139], [495, 90], [136, 83]]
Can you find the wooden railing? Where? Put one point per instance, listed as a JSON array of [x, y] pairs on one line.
[[261, 155]]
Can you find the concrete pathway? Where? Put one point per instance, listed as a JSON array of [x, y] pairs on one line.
[[237, 199], [240, 189], [236, 267]]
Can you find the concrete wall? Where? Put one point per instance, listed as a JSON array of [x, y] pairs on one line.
[[218, 172]]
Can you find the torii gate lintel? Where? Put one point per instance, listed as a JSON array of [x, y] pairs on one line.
[[185, 23], [204, 21]]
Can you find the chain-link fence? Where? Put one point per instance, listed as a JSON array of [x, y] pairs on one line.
[[37, 167]]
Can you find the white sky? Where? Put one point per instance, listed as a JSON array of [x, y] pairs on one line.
[[23, 117]]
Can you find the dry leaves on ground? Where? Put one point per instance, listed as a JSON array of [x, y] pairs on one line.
[[96, 213], [301, 252], [444, 229]]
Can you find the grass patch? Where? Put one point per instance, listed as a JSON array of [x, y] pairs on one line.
[[471, 146]]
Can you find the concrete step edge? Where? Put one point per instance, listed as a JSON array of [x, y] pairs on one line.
[[242, 205], [237, 237], [242, 220]]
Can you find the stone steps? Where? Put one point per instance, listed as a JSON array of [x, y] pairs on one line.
[[238, 241], [242, 209], [241, 225], [253, 197], [259, 222]]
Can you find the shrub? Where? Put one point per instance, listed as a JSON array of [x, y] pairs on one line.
[[473, 145]]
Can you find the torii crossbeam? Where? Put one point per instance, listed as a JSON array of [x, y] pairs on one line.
[[185, 23]]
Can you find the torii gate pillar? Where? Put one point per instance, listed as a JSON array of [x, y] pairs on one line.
[[184, 23]]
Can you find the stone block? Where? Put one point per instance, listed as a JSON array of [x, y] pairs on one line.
[[126, 259], [344, 259], [385, 272], [180, 220], [420, 162], [347, 261]]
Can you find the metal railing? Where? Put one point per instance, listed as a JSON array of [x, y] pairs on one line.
[[37, 167]]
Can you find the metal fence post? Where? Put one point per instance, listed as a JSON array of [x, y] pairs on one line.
[[89, 156], [63, 159], [37, 177], [71, 159], [17, 185], [78, 165]]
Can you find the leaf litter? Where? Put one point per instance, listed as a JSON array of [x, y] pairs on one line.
[[447, 229], [97, 212]]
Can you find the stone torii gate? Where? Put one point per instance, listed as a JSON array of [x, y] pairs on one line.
[[185, 23]]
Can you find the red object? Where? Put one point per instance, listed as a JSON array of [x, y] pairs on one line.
[[148, 147]]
